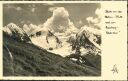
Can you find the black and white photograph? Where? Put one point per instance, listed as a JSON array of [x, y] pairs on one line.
[[52, 39]]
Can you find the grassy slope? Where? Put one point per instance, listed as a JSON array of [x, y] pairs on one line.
[[30, 60]]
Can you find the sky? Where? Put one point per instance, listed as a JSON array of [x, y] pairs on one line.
[[43, 13]]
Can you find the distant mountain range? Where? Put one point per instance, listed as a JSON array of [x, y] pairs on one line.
[[22, 57]]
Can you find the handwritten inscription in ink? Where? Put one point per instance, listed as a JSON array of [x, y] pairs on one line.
[[111, 21]]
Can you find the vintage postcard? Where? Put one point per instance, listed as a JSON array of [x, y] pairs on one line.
[[63, 40]]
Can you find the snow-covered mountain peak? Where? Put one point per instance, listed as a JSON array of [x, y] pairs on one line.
[[90, 30], [16, 32], [13, 28]]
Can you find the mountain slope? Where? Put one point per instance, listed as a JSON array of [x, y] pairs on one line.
[[30, 60]]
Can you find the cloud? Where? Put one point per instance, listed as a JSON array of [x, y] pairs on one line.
[[49, 4], [33, 9], [51, 9], [95, 22], [89, 19], [59, 21], [98, 12], [9, 6], [80, 22], [18, 8]]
